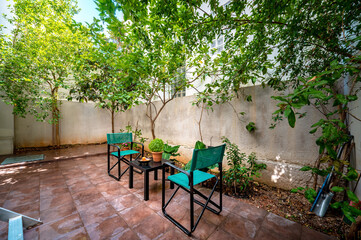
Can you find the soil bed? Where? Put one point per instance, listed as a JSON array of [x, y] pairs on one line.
[[295, 207]]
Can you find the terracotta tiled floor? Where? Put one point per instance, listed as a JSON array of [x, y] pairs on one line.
[[76, 199]]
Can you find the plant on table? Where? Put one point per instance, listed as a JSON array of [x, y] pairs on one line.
[[156, 146], [170, 151], [240, 175]]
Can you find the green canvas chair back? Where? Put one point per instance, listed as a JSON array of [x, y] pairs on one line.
[[113, 138], [203, 158]]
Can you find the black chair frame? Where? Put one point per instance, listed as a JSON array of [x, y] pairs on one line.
[[123, 159], [192, 191]]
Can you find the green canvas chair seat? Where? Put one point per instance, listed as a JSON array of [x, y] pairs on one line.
[[113, 140], [198, 177], [124, 153], [187, 180]]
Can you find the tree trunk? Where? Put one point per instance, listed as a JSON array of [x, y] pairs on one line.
[[55, 114], [112, 120], [152, 121], [152, 124]]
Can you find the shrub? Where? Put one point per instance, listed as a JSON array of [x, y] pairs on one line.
[[156, 145], [240, 175], [169, 151]]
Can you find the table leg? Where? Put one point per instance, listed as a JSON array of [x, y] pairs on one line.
[[146, 185], [130, 176], [156, 174], [171, 173]]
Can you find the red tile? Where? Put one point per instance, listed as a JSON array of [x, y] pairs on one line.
[[54, 214], [124, 202], [107, 228], [78, 234], [96, 213], [54, 192], [250, 212], [60, 228], [87, 196], [55, 201], [220, 234], [135, 215], [276, 227], [152, 227], [240, 227], [126, 234]]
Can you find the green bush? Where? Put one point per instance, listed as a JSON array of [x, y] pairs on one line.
[[169, 151], [156, 145], [240, 175]]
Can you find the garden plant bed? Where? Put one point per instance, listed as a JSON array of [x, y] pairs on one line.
[[295, 207]]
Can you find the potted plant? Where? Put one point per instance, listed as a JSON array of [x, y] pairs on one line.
[[156, 147], [125, 146]]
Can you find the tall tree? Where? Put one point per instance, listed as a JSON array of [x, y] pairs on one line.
[[160, 53], [42, 50], [312, 48], [103, 76]]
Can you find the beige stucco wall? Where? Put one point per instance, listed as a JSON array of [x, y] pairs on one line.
[[6, 129], [283, 149], [80, 123]]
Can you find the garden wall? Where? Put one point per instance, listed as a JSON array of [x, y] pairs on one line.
[[283, 149], [6, 129]]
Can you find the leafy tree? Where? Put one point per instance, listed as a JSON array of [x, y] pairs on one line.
[[311, 48], [103, 76], [160, 53], [41, 52]]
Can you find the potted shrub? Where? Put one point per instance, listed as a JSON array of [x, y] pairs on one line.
[[156, 147], [125, 146]]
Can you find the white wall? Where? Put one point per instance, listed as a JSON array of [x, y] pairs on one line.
[[80, 123], [284, 149], [6, 129]]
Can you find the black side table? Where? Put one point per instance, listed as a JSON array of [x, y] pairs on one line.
[[151, 166]]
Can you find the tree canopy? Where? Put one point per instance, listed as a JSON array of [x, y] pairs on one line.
[[311, 48], [40, 55]]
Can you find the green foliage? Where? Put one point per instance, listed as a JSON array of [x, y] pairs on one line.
[[251, 126], [169, 151], [104, 75], [310, 193], [160, 55], [137, 133], [242, 169], [198, 145], [156, 145], [39, 55], [321, 172]]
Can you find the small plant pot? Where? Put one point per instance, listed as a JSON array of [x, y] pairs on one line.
[[125, 148], [157, 156]]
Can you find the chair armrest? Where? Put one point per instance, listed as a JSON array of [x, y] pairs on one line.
[[177, 168], [114, 146], [139, 143]]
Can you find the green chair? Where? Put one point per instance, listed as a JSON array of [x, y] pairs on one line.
[[186, 180], [118, 138]]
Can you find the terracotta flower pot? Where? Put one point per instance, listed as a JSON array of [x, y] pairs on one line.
[[157, 156]]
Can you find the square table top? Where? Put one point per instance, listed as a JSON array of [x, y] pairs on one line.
[[150, 166]]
